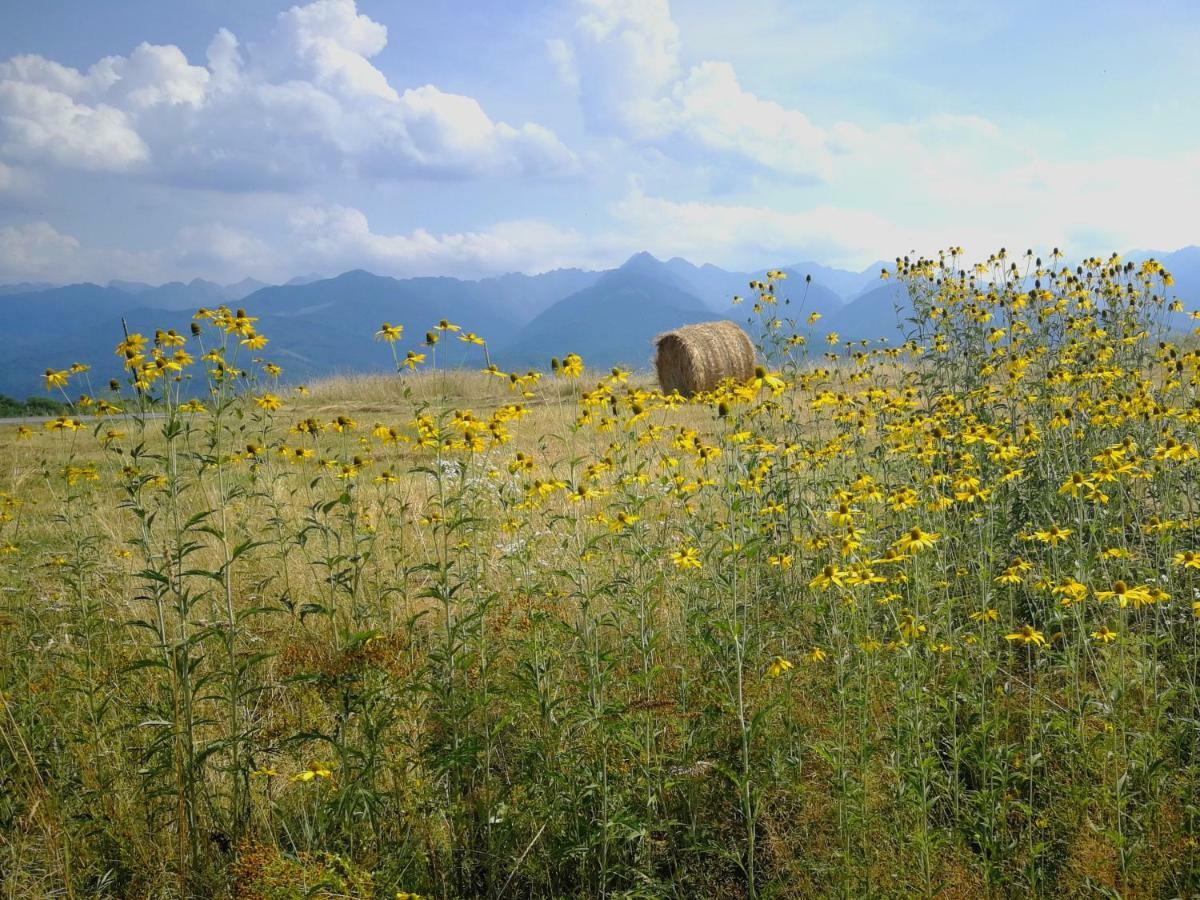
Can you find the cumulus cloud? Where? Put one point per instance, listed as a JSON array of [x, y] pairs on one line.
[[33, 250], [304, 103], [336, 238], [38, 251], [324, 238], [624, 57], [216, 247], [39, 124], [562, 57], [1082, 208]]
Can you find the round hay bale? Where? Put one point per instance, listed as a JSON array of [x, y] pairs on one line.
[[697, 358]]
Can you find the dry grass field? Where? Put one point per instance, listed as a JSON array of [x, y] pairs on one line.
[[878, 621]]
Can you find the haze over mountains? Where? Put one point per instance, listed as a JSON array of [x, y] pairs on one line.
[[319, 326]]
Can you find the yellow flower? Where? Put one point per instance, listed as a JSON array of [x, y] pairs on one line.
[[1076, 484], [986, 615], [471, 337], [1027, 634], [1052, 535], [841, 515], [624, 520], [915, 539], [762, 378], [56, 379], [829, 575], [1125, 594], [1011, 575], [817, 655], [572, 366], [389, 332], [315, 770], [909, 626], [63, 423], [1070, 590], [1189, 559], [268, 402], [133, 344], [778, 666], [1104, 635], [687, 558]]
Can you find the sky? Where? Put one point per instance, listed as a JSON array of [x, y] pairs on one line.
[[226, 139]]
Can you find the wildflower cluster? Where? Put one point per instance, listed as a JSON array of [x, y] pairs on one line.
[[875, 620]]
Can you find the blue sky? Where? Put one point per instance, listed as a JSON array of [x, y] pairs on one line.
[[151, 140]]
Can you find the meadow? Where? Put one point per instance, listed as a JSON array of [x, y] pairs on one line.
[[881, 621]]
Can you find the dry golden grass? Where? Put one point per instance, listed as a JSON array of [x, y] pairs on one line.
[[799, 637]]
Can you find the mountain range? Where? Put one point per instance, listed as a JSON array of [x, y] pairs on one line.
[[319, 326]]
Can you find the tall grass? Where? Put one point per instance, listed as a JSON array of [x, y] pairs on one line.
[[881, 621]]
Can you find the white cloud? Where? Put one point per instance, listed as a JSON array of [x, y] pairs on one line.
[[750, 237], [1082, 208], [38, 124], [33, 250], [336, 238], [1093, 206], [330, 43], [743, 237], [216, 247], [625, 59], [306, 102], [33, 69], [328, 239], [38, 251], [717, 113], [432, 131], [562, 57], [150, 76]]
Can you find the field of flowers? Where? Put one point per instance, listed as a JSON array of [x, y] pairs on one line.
[[882, 621]]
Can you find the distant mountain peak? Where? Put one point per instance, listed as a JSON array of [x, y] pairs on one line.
[[646, 265], [641, 258]]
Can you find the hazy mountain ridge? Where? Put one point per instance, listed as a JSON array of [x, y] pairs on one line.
[[325, 325], [611, 322]]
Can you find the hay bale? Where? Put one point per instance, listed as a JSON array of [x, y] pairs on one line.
[[697, 358]]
